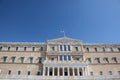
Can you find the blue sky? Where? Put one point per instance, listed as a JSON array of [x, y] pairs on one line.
[[40, 20]]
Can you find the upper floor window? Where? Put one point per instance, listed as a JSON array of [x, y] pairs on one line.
[[114, 59], [76, 48], [69, 57], [87, 49], [106, 60], [65, 57], [17, 48], [89, 60], [33, 48], [103, 49], [40, 60], [9, 48], [28, 73], [69, 49], [22, 59], [60, 47], [110, 72], [41, 49], [53, 48], [31, 59], [4, 58], [65, 48], [77, 58], [13, 59], [91, 73], [98, 60], [9, 72], [119, 49], [0, 48], [52, 59], [25, 48], [19, 72], [96, 50], [118, 72], [38, 73], [60, 57], [111, 49], [101, 73]]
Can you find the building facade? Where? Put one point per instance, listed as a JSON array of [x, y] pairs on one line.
[[59, 59]]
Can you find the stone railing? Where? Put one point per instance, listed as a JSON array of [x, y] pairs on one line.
[[31, 77]]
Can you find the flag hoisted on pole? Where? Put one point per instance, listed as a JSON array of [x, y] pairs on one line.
[[63, 33]]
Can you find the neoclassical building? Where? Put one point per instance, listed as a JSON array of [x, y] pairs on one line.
[[59, 59]]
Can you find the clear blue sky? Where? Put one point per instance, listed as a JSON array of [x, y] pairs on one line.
[[40, 20]]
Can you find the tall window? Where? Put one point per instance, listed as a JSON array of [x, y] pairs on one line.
[[25, 48], [60, 47], [69, 48], [114, 59], [31, 59], [0, 48], [41, 49], [87, 49], [4, 58], [119, 49], [101, 73], [103, 49], [111, 49], [61, 57], [22, 59], [106, 60], [98, 60], [9, 72], [110, 72], [19, 72], [33, 48], [65, 57], [28, 73], [52, 59], [17, 48], [9, 48], [40, 60], [65, 48], [96, 50], [13, 59], [76, 48], [91, 73], [69, 57]]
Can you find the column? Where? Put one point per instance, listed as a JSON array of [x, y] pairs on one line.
[[62, 47], [73, 71], [58, 74], [68, 71], [63, 71], [66, 47], [58, 58], [44, 70], [48, 72], [83, 71], [53, 71], [71, 58], [78, 70], [67, 57]]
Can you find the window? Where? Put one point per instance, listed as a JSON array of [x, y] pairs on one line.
[[103, 49], [41, 49], [69, 57], [101, 73], [114, 59], [31, 59], [118, 72], [25, 48], [60, 47], [119, 49], [69, 48], [33, 48], [77, 58], [4, 58], [95, 49], [38, 73], [40, 60], [89, 60], [65, 48], [60, 57], [106, 60], [28, 73], [98, 60], [22, 59], [110, 72], [9, 72], [9, 48], [17, 48], [0, 48], [52, 59], [13, 59], [87, 49], [91, 73], [111, 49], [65, 57], [19, 72], [52, 48], [76, 48]]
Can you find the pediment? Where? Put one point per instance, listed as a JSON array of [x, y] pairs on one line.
[[64, 40]]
